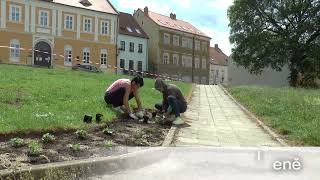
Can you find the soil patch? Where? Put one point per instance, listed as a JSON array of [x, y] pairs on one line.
[[120, 134]]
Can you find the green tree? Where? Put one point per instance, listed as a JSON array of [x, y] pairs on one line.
[[275, 33]]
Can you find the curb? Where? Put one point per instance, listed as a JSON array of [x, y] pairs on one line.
[[83, 168], [267, 129], [173, 130]]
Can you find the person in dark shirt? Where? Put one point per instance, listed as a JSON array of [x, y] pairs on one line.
[[173, 101]]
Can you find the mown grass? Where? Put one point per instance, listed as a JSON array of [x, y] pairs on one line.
[[294, 113], [35, 98]]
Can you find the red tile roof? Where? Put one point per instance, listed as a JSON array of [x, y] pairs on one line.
[[218, 57], [96, 5], [176, 24], [127, 23]]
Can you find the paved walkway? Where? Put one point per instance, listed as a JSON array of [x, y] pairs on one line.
[[216, 120]]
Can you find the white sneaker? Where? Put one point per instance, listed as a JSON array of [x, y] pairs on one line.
[[118, 109]]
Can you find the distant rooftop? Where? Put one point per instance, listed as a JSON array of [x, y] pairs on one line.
[[129, 26], [94, 5], [173, 23], [217, 56]]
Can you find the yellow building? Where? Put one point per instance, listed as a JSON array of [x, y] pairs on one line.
[[58, 33]]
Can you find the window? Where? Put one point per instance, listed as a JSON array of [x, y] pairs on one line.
[[104, 27], [140, 66], [140, 48], [176, 59], [15, 50], [176, 41], [186, 61], [103, 57], [15, 13], [67, 55], [197, 45], [165, 58], [204, 46], [122, 63], [138, 31], [166, 38], [184, 42], [197, 63], [86, 55], [131, 47], [122, 45], [68, 22], [87, 25], [204, 63], [190, 43], [44, 18], [129, 29], [131, 65]]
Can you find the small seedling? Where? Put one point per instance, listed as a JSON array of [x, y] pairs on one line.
[[108, 144], [108, 131], [34, 148], [75, 147], [82, 134], [47, 138], [17, 142]]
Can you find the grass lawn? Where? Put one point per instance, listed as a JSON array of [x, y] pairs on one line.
[[35, 98], [294, 113]]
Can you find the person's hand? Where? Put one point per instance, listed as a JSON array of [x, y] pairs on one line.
[[133, 116]]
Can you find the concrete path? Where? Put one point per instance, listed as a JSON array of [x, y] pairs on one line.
[[216, 120]]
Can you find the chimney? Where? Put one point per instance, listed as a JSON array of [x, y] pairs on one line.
[[146, 11], [174, 16], [171, 15], [216, 46]]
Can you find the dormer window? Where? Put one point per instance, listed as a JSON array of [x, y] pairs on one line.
[[138, 31], [129, 29], [85, 3]]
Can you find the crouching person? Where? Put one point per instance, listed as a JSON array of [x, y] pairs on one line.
[[121, 91], [173, 101]]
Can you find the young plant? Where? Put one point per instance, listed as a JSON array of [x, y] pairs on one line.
[[75, 147], [17, 142], [108, 131], [34, 148], [108, 144], [47, 138], [82, 134]]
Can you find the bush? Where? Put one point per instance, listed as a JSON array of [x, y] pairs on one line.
[[17, 142], [47, 138], [108, 144], [82, 134], [34, 148], [75, 147], [108, 131]]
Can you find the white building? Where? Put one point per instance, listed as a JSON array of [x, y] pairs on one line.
[[218, 73], [132, 45]]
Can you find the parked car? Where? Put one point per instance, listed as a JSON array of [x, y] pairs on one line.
[[86, 67]]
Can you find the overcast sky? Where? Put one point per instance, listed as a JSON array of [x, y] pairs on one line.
[[210, 16]]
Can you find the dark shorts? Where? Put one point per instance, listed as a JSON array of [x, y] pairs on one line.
[[116, 97]]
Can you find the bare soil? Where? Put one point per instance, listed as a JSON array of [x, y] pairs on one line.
[[125, 133]]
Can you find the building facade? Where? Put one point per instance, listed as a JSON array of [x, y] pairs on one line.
[[176, 48], [58, 32], [238, 75], [218, 66], [132, 45]]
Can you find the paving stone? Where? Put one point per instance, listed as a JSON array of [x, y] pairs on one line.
[[215, 120]]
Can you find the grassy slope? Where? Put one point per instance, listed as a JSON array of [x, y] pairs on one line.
[[33, 98], [292, 112]]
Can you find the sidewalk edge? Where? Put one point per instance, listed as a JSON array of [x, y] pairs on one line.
[[173, 130]]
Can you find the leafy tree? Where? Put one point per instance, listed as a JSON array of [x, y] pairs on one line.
[[275, 33]]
